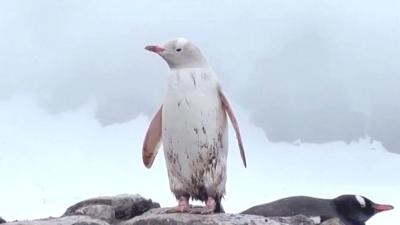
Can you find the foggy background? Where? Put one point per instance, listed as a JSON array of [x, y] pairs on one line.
[[317, 71], [314, 84]]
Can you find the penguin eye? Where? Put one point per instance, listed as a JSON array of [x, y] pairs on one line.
[[178, 49]]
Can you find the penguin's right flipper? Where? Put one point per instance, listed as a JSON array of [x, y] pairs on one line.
[[152, 140]]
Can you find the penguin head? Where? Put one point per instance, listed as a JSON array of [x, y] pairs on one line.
[[179, 53], [358, 209]]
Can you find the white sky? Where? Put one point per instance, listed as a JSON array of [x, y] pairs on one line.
[[318, 70]]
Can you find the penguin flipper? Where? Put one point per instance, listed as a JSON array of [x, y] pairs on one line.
[[152, 140], [229, 111]]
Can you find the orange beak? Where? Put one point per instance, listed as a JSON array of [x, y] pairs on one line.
[[154, 48], [381, 208]]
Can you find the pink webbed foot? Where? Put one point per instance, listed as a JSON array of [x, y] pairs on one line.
[[210, 207], [183, 206]]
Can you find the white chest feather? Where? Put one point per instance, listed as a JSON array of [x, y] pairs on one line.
[[194, 131]]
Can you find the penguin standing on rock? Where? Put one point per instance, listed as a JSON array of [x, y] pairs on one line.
[[349, 209], [193, 128]]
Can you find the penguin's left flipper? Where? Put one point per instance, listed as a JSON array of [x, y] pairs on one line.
[[152, 140], [229, 111]]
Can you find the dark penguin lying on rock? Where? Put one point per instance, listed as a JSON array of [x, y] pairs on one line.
[[350, 209]]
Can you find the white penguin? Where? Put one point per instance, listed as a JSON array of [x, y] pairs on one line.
[[192, 123]]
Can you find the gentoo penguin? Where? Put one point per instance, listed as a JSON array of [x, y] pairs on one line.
[[192, 124], [350, 209]]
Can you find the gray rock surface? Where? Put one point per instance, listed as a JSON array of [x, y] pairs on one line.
[[158, 217], [136, 210], [333, 221], [2, 220], [69, 220], [120, 207]]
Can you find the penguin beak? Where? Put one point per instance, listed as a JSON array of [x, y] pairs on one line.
[[381, 208], [154, 48]]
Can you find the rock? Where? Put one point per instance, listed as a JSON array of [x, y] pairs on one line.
[[157, 217], [136, 210], [333, 221], [2, 220], [121, 207], [103, 212], [69, 220]]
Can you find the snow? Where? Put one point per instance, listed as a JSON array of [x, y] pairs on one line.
[[49, 162]]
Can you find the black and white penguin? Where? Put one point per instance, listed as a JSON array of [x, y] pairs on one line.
[[350, 209]]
